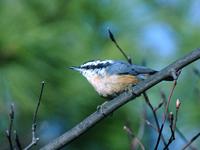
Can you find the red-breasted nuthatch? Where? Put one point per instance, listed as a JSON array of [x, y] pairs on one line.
[[111, 77]]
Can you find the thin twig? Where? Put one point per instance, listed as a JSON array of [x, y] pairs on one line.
[[117, 102], [151, 125], [173, 124], [119, 48], [172, 137], [164, 99], [142, 123], [184, 139], [178, 104], [34, 125], [196, 72], [141, 129], [192, 140], [177, 129], [17, 141], [165, 114], [133, 137], [159, 106], [9, 131], [154, 115]]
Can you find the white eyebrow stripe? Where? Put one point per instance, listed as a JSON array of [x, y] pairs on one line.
[[97, 62]]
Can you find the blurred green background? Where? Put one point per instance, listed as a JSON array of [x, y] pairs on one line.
[[39, 40]]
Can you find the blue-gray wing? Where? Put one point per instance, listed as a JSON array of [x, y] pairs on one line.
[[122, 67]]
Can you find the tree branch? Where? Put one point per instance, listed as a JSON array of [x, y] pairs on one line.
[[192, 140], [122, 99], [34, 125]]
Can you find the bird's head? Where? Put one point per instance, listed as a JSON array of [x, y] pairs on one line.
[[91, 68]]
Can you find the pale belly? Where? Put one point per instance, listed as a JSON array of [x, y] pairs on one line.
[[113, 85]]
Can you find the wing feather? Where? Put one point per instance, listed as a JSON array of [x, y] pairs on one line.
[[122, 67]]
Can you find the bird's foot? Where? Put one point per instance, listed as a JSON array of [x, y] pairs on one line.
[[100, 108], [131, 91]]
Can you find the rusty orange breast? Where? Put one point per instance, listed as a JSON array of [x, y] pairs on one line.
[[108, 85]]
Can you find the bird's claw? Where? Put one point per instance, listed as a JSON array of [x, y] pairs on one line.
[[100, 108]]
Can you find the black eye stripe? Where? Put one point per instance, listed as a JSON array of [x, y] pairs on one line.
[[98, 66]]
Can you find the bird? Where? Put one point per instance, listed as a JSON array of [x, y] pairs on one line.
[[112, 77]]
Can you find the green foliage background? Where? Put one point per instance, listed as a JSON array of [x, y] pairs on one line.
[[39, 40]]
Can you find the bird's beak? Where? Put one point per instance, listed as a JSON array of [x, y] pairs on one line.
[[75, 68]]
